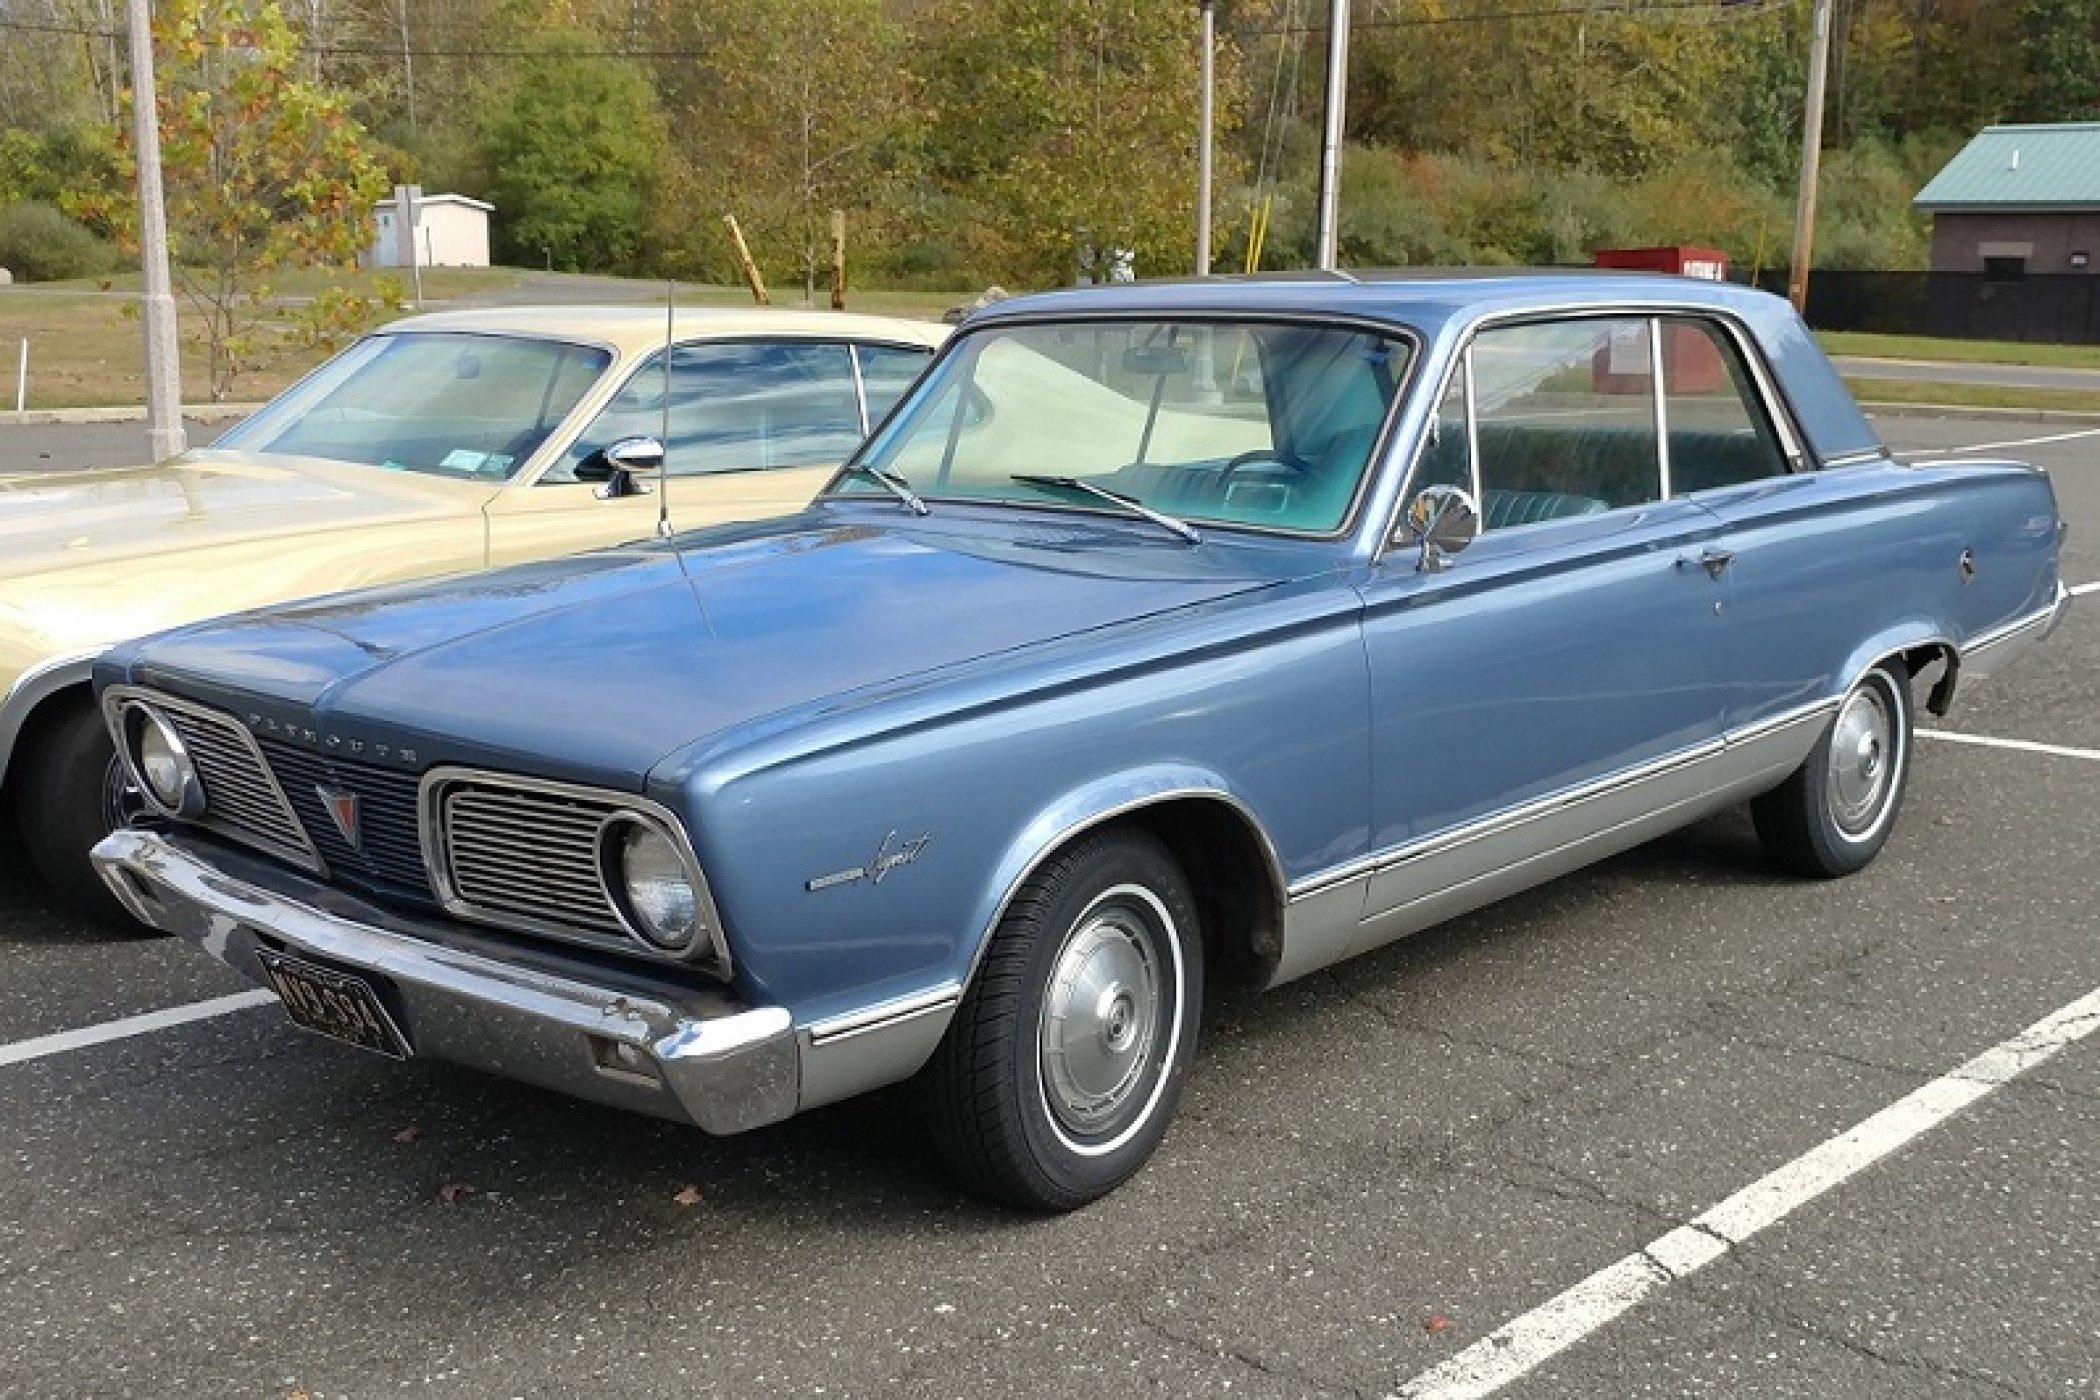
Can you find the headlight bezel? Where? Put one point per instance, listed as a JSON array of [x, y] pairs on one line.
[[136, 719], [615, 837]]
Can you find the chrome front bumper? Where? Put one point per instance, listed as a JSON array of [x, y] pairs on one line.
[[687, 1054]]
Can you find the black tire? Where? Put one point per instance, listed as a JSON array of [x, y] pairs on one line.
[[1018, 1097], [70, 791], [1835, 813]]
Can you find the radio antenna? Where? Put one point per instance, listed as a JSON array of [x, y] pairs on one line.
[[663, 458]]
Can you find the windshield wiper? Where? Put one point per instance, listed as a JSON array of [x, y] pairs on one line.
[[1130, 504], [894, 484]]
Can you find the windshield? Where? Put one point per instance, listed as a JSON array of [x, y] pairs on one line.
[[446, 403], [1249, 424]]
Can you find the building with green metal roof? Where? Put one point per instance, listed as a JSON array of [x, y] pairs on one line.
[[2017, 200]]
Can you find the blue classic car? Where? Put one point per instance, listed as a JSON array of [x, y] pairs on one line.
[[1162, 635]]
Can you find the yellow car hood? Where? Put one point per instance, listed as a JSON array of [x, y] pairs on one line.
[[91, 557], [64, 520]]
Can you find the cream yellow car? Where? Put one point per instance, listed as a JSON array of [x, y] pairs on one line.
[[441, 443]]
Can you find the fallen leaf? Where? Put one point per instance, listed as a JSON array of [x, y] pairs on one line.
[[689, 1196], [408, 1134], [1437, 1323], [453, 1192]]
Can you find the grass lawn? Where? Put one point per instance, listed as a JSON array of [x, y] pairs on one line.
[[86, 350], [1976, 352], [1973, 395]]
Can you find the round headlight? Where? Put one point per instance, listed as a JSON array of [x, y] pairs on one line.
[[660, 900], [164, 764]]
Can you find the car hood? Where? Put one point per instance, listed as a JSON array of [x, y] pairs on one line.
[[113, 517], [598, 666], [90, 557]]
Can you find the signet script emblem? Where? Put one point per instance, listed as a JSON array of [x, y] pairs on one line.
[[342, 810]]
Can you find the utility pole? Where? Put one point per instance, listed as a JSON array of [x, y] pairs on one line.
[[1811, 157], [1331, 132], [165, 437], [1203, 136]]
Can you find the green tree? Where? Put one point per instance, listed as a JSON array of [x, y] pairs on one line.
[[794, 110], [264, 171], [575, 144], [2060, 43], [1072, 125]]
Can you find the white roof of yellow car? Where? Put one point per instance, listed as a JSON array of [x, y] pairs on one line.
[[633, 328]]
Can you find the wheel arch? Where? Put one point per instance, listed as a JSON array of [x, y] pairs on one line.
[[32, 693], [1231, 865], [1916, 646]]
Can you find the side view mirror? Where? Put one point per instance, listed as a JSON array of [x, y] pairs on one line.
[[1443, 520], [619, 467]]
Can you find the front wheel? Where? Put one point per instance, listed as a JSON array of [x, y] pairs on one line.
[[1066, 1058], [1834, 814], [71, 790]]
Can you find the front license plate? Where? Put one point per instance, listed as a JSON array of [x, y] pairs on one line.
[[339, 1005]]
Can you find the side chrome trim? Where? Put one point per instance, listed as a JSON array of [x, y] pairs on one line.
[[435, 839], [884, 1044], [1499, 822], [875, 1018], [32, 688], [2044, 617], [1427, 882], [1484, 827]]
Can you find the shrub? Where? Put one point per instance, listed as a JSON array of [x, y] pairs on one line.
[[39, 244]]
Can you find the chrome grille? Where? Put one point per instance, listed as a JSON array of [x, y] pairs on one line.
[[524, 853], [388, 858], [241, 796]]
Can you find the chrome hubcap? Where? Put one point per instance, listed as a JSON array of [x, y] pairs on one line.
[[1100, 1019], [1861, 773]]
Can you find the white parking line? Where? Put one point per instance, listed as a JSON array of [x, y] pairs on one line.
[[1985, 741], [1520, 1347], [23, 1051], [2084, 588], [2027, 442]]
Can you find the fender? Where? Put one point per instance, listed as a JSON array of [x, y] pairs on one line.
[[31, 689], [1090, 805], [883, 1044]]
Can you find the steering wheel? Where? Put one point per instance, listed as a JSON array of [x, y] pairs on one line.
[[1275, 455]]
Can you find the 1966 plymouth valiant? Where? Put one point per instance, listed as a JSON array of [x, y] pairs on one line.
[[1163, 634], [440, 443]]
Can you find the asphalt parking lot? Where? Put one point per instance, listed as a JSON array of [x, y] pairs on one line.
[[1490, 1154]]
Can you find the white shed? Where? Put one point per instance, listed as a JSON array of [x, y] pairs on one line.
[[451, 231]]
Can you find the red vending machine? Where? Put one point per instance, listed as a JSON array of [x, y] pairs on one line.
[[1690, 362]]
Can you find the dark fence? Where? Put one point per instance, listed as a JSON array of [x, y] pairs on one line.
[[2055, 309]]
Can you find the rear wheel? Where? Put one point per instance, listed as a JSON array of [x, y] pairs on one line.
[[1066, 1058], [1834, 814], [71, 790]]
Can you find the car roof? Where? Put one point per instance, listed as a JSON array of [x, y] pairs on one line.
[[636, 328], [1421, 298]]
